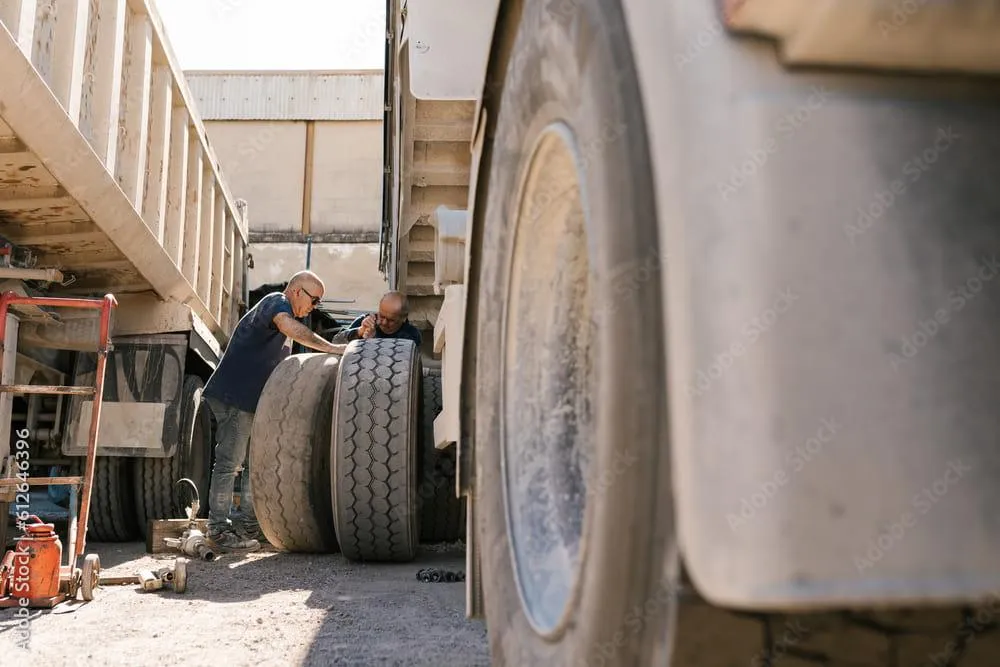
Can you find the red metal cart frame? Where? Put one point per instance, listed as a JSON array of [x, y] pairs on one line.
[[69, 574]]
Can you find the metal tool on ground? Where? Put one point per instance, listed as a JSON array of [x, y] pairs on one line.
[[153, 580], [435, 575], [33, 571], [193, 542]]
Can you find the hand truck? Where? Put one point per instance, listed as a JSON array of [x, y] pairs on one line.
[[71, 578]]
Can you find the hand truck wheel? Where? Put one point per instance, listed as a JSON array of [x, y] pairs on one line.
[[180, 575], [91, 576]]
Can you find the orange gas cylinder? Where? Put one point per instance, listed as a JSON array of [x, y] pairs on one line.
[[37, 557]]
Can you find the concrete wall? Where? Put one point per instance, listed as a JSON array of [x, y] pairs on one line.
[[349, 270], [347, 177], [264, 163]]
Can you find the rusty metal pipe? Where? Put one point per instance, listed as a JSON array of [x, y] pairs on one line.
[[55, 301]]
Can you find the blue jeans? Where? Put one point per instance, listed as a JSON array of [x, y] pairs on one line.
[[233, 437]]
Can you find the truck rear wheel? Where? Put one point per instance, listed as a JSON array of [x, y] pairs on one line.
[[442, 511], [375, 450], [112, 501], [290, 454], [573, 494], [157, 493]]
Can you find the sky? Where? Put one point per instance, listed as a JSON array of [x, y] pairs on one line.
[[256, 34]]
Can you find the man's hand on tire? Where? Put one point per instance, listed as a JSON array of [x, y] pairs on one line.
[[367, 328]]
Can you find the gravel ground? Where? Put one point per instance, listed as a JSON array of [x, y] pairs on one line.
[[265, 609]]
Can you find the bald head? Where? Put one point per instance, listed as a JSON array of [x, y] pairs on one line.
[[304, 291], [305, 279], [392, 311]]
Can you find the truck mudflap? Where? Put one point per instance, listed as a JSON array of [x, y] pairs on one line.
[[141, 412], [833, 302]]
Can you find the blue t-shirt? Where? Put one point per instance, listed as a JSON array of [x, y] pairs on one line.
[[255, 350], [407, 331]]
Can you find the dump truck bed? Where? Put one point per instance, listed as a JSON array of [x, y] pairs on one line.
[[106, 173]]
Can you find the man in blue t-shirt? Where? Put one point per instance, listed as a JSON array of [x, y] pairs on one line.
[[255, 349], [390, 322]]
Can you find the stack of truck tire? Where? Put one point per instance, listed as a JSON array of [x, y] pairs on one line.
[[342, 455]]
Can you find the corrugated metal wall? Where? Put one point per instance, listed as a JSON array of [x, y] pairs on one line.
[[287, 95]]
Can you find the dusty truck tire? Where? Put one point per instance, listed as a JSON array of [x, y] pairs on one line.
[[572, 488], [442, 512], [157, 494], [374, 450], [112, 501], [290, 454]]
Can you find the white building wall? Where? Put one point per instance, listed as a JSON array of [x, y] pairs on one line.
[[347, 177], [264, 163]]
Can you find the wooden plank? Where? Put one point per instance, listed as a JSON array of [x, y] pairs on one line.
[[231, 239], [29, 203], [11, 144], [69, 34], [239, 261], [218, 254], [163, 528], [307, 183], [207, 235], [136, 82], [155, 204], [173, 226], [44, 238], [192, 220], [18, 16], [24, 169], [41, 210], [100, 122]]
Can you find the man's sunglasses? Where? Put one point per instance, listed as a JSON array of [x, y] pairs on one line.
[[315, 299]]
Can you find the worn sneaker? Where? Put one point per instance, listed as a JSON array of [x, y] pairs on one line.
[[229, 541], [248, 530]]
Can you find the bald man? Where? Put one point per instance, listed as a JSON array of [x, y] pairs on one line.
[[390, 322], [256, 348]]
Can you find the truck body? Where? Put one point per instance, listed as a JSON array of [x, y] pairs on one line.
[[109, 185], [713, 288]]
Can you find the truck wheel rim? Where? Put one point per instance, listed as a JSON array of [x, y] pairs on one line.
[[549, 348]]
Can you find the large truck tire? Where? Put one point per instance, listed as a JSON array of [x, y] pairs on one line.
[[157, 493], [290, 454], [573, 490], [442, 511], [375, 450], [112, 501]]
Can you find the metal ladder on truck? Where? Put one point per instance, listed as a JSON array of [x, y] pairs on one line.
[[71, 577]]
